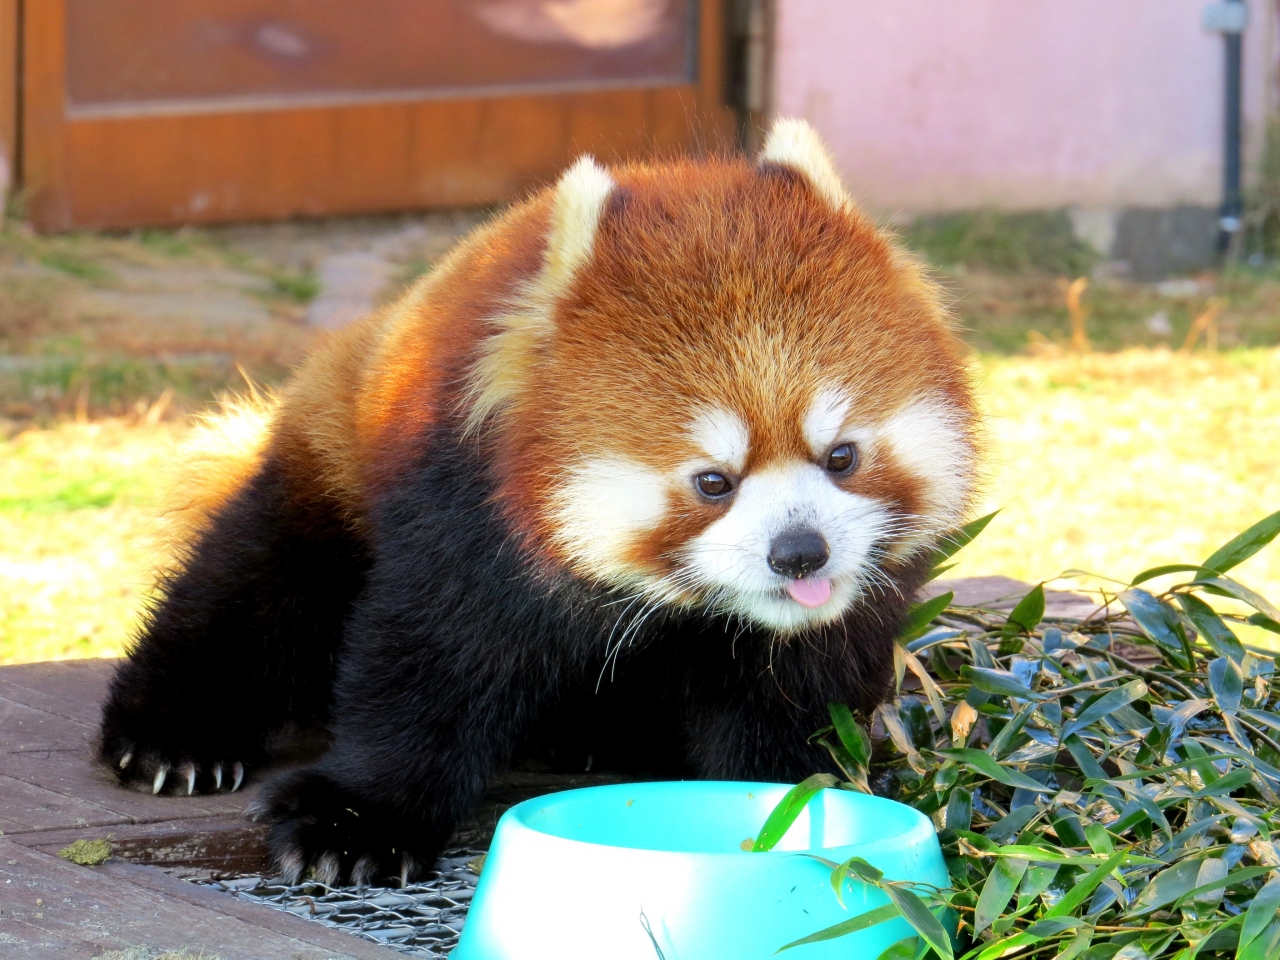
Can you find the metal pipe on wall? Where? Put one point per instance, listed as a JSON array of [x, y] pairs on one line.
[[1230, 18]]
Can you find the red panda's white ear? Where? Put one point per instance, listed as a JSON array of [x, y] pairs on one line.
[[580, 196], [508, 354], [796, 145]]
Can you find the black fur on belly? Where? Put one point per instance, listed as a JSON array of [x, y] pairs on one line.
[[460, 650]]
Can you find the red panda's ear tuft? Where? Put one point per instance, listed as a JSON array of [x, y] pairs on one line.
[[508, 354], [580, 198], [795, 145]]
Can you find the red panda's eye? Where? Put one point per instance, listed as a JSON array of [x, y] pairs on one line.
[[713, 485], [843, 458]]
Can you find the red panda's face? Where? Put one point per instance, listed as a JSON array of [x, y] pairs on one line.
[[729, 391]]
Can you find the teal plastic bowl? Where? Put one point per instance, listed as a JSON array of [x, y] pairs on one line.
[[623, 872]]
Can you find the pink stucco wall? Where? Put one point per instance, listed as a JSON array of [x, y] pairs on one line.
[[950, 104]]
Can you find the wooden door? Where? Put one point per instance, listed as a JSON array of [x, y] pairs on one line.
[[188, 111]]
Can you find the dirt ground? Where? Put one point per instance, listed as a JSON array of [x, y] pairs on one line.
[[96, 325]]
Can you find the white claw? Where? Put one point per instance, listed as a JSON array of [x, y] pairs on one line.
[[327, 868], [363, 871], [406, 868], [217, 776], [158, 783], [189, 771], [291, 865], [237, 772], [126, 759]]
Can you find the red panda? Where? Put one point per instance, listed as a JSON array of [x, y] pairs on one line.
[[649, 466]]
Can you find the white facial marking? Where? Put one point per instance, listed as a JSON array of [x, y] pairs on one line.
[[723, 437], [927, 440], [731, 557], [826, 419], [604, 503]]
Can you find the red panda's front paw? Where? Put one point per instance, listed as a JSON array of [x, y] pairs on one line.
[[168, 770], [319, 831]]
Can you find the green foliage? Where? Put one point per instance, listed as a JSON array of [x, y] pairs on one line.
[[1002, 242], [1104, 789], [301, 287], [76, 265]]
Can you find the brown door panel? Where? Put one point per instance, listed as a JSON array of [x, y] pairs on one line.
[[142, 142]]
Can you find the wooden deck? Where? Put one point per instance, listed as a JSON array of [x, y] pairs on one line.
[[53, 792]]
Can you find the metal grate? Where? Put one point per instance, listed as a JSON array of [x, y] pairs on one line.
[[422, 920]]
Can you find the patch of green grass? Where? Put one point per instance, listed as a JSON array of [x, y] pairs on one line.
[[57, 494], [301, 286], [169, 243], [1002, 242], [76, 265], [73, 382]]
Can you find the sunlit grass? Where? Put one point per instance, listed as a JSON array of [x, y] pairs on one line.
[[1107, 462], [78, 506], [1118, 462]]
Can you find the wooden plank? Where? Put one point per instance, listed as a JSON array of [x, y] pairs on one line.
[[345, 159], [25, 807], [215, 846], [73, 689], [56, 909], [8, 95], [58, 755], [49, 201]]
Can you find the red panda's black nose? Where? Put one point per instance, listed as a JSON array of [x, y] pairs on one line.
[[798, 553]]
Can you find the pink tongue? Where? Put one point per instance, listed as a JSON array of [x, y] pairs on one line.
[[810, 592]]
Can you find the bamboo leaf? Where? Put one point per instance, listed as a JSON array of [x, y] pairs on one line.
[[998, 683], [789, 808], [985, 764], [853, 867], [862, 921], [1243, 546], [1082, 890], [1226, 587], [1211, 627], [1026, 616], [1164, 570], [959, 538], [1167, 886], [998, 891], [851, 734], [1261, 912], [904, 949], [922, 614], [1226, 683], [1158, 621], [1109, 701], [922, 919]]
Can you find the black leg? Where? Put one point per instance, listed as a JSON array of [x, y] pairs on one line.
[[750, 716], [454, 650], [432, 699], [243, 640]]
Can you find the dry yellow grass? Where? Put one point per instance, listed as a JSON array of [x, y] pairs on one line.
[[1109, 462]]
